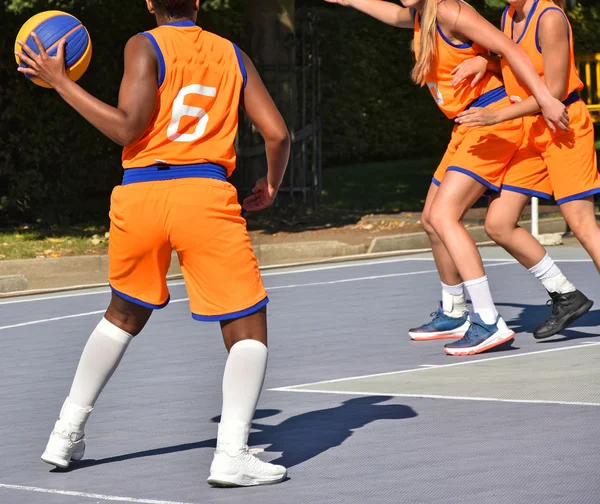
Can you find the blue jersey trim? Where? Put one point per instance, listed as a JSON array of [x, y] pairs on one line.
[[233, 315], [162, 67], [170, 172], [569, 100], [241, 62], [572, 98], [435, 181], [488, 98], [537, 28], [504, 14], [465, 45], [578, 196], [471, 174], [529, 192], [181, 24], [529, 16], [139, 301]]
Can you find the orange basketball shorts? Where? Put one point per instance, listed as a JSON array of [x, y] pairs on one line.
[[561, 163], [195, 211], [482, 152]]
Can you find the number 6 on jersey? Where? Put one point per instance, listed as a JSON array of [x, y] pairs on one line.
[[181, 110]]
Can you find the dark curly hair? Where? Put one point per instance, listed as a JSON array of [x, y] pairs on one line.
[[174, 8]]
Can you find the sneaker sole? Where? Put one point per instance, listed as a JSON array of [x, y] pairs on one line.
[[483, 347], [60, 463], [429, 337], [574, 316], [457, 333], [229, 481]]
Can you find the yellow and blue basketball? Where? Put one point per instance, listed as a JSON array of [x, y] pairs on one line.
[[51, 27]]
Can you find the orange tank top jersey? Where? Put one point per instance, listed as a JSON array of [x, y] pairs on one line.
[[529, 42], [201, 76], [454, 99]]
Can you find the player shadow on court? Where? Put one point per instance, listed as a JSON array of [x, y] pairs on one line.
[[298, 438], [533, 315]]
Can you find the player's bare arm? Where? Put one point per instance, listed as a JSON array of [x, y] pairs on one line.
[[386, 12], [460, 19], [263, 113], [137, 96], [554, 40]]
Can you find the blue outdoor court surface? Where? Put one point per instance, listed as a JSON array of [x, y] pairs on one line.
[[357, 412]]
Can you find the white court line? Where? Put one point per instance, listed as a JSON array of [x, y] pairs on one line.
[[113, 498], [278, 287], [294, 388], [433, 396], [429, 365], [268, 274], [555, 260]]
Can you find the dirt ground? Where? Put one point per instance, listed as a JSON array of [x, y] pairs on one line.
[[356, 229]]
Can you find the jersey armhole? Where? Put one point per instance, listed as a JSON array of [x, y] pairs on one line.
[[241, 63], [537, 28], [159, 55], [413, 13]]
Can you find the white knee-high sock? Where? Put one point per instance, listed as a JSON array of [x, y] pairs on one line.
[[552, 278], [481, 297], [242, 384], [101, 356], [453, 300]]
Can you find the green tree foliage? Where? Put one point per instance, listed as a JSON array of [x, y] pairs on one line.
[[55, 167]]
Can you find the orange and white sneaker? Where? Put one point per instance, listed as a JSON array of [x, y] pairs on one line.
[[481, 337]]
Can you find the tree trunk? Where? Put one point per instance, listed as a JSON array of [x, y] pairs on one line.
[[271, 34]]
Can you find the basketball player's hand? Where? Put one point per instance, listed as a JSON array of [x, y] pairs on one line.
[[51, 69], [263, 196], [555, 113], [476, 66], [478, 116]]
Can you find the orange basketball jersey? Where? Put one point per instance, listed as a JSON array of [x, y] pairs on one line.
[[200, 79], [448, 55], [529, 42]]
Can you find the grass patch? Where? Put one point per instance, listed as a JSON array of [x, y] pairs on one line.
[[28, 242], [395, 186]]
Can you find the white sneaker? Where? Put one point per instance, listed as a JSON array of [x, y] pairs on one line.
[[243, 469], [67, 440]]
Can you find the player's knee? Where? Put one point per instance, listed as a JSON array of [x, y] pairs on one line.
[[127, 321], [427, 226], [586, 230], [496, 229], [440, 218]]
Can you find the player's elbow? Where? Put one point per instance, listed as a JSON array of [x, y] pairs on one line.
[[279, 138], [557, 89], [125, 135]]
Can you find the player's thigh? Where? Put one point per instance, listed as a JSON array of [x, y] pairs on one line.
[[571, 160], [139, 252], [217, 259], [485, 152]]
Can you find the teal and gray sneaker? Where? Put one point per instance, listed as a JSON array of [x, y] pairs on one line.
[[441, 326]]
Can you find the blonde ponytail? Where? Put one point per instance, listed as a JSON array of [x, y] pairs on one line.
[[428, 19]]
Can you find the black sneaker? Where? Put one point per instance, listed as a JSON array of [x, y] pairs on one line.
[[566, 308]]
